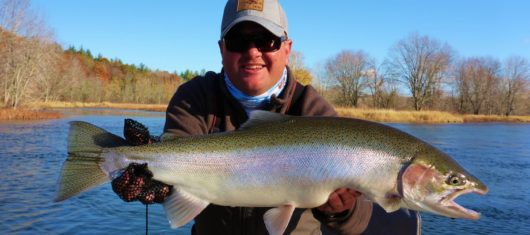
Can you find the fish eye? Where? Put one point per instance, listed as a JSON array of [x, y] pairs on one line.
[[456, 180]]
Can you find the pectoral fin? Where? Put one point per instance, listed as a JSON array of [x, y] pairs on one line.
[[277, 219], [181, 207]]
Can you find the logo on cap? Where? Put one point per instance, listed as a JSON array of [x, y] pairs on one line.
[[256, 5]]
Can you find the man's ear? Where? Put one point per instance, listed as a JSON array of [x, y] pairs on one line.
[[287, 45]]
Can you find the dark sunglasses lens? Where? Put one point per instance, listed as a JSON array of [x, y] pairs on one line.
[[236, 44], [267, 44], [264, 43]]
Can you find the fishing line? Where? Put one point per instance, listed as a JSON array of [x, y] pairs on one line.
[[146, 219]]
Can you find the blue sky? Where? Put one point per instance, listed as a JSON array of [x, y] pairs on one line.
[[175, 35]]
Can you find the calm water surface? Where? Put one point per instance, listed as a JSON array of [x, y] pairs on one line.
[[31, 155]]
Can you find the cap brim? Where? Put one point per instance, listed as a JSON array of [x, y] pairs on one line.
[[272, 27]]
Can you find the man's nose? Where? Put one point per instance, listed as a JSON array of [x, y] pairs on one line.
[[252, 50]]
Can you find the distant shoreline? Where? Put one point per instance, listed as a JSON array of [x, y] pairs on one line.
[[127, 106], [25, 114], [44, 111], [426, 117]]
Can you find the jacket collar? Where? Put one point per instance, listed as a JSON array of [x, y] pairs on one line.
[[278, 104]]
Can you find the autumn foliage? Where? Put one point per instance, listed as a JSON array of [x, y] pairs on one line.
[[100, 79]]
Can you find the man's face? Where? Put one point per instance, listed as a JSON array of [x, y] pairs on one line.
[[253, 71]]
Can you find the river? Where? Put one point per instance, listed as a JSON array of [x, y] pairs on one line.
[[31, 155]]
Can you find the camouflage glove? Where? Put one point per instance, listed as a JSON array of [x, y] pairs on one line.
[[137, 134], [136, 181]]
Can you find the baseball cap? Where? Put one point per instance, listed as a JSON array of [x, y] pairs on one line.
[[267, 13]]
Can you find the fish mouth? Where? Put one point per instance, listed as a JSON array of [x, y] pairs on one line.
[[453, 209]]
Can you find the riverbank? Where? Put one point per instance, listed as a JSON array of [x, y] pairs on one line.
[[36, 111], [429, 117], [48, 110], [25, 114], [127, 106]]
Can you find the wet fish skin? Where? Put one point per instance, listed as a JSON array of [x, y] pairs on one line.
[[279, 161]]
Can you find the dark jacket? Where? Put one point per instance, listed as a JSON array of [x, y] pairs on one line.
[[203, 106]]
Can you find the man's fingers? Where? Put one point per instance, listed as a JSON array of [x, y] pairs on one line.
[[335, 201], [325, 208], [348, 199], [340, 200], [328, 207], [354, 192]]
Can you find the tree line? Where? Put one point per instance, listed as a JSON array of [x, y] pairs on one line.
[[423, 73], [36, 70]]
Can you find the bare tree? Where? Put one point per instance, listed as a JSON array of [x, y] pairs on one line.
[[420, 62], [383, 89], [72, 74], [349, 70], [476, 79], [296, 60], [298, 68], [516, 76], [49, 82], [24, 40], [375, 82]]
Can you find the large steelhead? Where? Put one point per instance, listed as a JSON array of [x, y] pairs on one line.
[[278, 161]]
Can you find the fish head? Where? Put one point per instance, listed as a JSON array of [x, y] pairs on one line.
[[431, 182]]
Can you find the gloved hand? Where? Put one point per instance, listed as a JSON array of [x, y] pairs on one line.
[[136, 181]]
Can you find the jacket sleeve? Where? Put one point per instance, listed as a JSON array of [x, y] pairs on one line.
[[186, 112], [399, 222], [365, 217], [312, 104]]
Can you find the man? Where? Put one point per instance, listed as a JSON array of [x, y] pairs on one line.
[[255, 50]]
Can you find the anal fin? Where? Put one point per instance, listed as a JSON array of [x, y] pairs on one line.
[[181, 207], [277, 219]]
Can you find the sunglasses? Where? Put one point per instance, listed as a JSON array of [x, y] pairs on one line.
[[262, 42]]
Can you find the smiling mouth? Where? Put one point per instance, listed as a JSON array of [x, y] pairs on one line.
[[252, 67], [455, 210]]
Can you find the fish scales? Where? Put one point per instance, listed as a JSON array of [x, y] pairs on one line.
[[263, 155]]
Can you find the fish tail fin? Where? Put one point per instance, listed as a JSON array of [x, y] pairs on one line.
[[81, 171]]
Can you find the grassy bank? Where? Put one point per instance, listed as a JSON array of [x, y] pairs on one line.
[[128, 106], [496, 118], [27, 114], [384, 115]]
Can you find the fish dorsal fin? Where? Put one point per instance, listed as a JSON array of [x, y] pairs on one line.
[[277, 219], [181, 207], [260, 117], [169, 137]]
